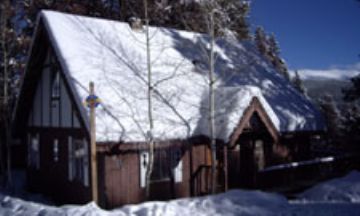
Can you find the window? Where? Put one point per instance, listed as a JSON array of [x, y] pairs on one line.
[[34, 151], [55, 87], [55, 100], [167, 165], [78, 159], [56, 150], [259, 155]]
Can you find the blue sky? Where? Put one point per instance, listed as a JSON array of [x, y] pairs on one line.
[[313, 34]]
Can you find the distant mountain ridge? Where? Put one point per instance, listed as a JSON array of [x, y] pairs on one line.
[[335, 73], [331, 81], [316, 88]]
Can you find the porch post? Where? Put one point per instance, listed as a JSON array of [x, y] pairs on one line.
[[225, 167]]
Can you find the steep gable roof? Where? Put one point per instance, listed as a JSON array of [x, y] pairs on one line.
[[114, 56]]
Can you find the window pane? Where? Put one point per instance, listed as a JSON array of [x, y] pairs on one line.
[[56, 150], [56, 86]]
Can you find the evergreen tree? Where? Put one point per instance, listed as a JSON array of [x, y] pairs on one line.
[[189, 15], [351, 125], [273, 45], [298, 83], [353, 93], [332, 117], [352, 119], [269, 48], [281, 67], [236, 17], [352, 113], [260, 40], [274, 56]]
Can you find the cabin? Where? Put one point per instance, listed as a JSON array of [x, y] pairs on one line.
[[260, 119]]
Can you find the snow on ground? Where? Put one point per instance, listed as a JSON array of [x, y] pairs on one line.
[[235, 202], [345, 189], [335, 197]]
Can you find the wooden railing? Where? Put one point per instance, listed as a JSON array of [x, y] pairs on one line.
[[300, 175]]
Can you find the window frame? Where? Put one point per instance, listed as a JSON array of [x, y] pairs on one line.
[[78, 160], [56, 150], [173, 160], [34, 151], [55, 86]]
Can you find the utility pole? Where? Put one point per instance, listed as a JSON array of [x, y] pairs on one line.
[[93, 101]]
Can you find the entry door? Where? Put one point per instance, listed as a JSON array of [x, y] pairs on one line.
[[247, 168], [252, 159]]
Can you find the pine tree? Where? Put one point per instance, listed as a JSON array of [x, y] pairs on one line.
[[274, 56], [353, 93], [273, 45], [260, 40], [351, 125], [269, 48], [352, 113], [332, 117], [298, 83], [281, 67], [189, 15], [236, 13]]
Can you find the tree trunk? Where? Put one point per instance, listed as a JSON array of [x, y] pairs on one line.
[[150, 164], [2, 42], [8, 148], [212, 106], [5, 111]]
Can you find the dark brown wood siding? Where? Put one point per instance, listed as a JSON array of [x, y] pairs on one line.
[[120, 166]]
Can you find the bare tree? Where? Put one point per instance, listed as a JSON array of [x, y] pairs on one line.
[[211, 8], [218, 19], [150, 103], [212, 128]]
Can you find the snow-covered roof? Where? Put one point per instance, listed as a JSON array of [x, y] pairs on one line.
[[114, 56], [231, 104]]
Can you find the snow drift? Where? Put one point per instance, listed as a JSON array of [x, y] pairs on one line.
[[335, 197]]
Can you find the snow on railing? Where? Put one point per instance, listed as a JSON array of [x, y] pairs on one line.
[[298, 164], [321, 160]]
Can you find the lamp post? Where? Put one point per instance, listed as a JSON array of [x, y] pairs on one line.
[[92, 102]]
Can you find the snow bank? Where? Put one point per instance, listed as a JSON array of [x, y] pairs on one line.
[[234, 202], [345, 189], [13, 206], [335, 197]]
